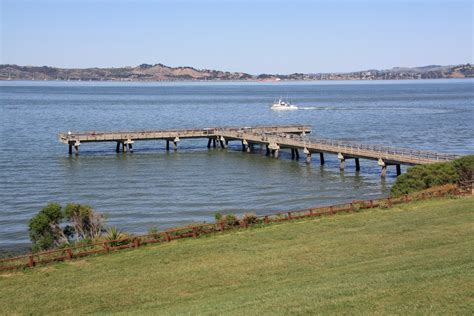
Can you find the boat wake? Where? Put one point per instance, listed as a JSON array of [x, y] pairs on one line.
[[316, 108]]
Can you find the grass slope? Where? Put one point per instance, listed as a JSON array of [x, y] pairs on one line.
[[415, 258]]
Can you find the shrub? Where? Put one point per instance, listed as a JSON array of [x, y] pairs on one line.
[[465, 168], [86, 222], [115, 235], [217, 216], [423, 177], [154, 232], [45, 228], [251, 218], [53, 227], [231, 220]]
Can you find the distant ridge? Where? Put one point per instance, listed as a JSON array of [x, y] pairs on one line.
[[160, 72]]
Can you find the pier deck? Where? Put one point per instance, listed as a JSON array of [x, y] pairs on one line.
[[274, 138]]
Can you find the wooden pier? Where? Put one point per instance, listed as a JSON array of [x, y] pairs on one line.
[[273, 138]]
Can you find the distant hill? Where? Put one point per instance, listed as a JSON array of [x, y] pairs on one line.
[[144, 72], [160, 72]]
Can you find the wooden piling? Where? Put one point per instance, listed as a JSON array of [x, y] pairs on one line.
[[341, 164], [384, 171], [31, 261], [69, 254], [357, 164], [321, 158]]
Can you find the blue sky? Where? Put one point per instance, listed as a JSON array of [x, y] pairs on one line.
[[260, 36]]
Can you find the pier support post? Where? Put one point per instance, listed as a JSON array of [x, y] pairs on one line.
[[124, 147], [117, 148], [276, 153], [222, 142], [399, 170], [209, 143], [275, 148], [70, 149], [214, 143], [249, 147], [308, 155], [292, 153], [384, 171], [129, 143], [297, 154], [244, 144], [267, 153], [341, 161], [167, 145], [76, 147], [357, 164], [175, 143], [321, 158], [382, 164]]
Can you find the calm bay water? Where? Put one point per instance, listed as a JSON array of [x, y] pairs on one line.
[[153, 188]]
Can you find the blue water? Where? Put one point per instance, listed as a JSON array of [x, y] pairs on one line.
[[153, 188]]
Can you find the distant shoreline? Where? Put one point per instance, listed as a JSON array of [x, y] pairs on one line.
[[162, 73], [241, 81]]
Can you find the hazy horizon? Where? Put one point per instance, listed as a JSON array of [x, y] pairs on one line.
[[238, 36]]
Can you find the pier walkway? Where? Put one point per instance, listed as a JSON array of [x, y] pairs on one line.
[[273, 138]]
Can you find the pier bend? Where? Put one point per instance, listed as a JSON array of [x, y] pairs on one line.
[[272, 138]]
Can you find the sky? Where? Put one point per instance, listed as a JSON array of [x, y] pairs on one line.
[[259, 36]]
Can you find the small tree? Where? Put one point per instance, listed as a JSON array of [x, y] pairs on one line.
[[45, 228], [48, 230], [86, 222]]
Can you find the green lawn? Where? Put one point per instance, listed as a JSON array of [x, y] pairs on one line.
[[415, 258]]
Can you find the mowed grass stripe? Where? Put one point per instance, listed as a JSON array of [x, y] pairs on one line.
[[415, 258]]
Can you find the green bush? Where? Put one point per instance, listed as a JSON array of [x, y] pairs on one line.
[[217, 216], [231, 220], [423, 177], [45, 228], [87, 223], [116, 237], [465, 168], [251, 218], [55, 227], [154, 232]]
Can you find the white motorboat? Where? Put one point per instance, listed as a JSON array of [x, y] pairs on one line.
[[283, 106]]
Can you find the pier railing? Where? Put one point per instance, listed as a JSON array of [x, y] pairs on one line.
[[194, 231], [66, 137], [348, 148]]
